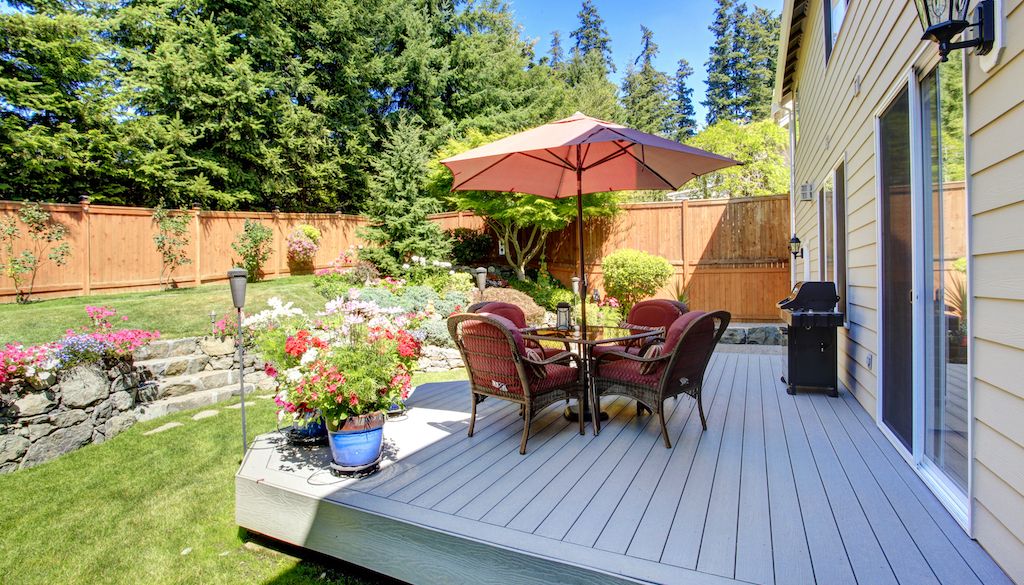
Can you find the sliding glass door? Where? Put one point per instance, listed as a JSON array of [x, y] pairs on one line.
[[924, 306], [945, 275]]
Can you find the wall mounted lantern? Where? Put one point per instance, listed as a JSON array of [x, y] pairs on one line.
[[795, 247], [943, 20]]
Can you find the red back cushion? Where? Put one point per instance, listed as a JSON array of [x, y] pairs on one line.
[[490, 358], [507, 310], [653, 313], [695, 347]]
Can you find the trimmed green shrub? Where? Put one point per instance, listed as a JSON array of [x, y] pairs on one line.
[[435, 332], [546, 292], [632, 276]]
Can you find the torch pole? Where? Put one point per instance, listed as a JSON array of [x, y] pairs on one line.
[[241, 380]]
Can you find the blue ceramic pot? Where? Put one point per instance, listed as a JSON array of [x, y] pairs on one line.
[[357, 443]]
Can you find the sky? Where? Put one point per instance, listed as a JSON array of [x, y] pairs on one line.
[[680, 30]]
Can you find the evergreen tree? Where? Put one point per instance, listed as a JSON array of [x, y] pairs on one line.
[[557, 57], [682, 123], [592, 36], [398, 204], [645, 90], [718, 98], [741, 67], [757, 38], [589, 90], [58, 135]]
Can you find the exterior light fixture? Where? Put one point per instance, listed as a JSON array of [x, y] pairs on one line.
[[795, 247], [481, 279], [213, 322], [563, 316], [237, 278], [943, 20]]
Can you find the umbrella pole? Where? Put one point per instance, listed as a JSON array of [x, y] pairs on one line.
[[591, 399]]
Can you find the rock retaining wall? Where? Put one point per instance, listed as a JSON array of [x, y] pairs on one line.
[[50, 417]]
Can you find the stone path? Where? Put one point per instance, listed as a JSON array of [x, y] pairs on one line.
[[162, 428]]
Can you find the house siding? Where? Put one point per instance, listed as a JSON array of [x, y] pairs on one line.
[[878, 45]]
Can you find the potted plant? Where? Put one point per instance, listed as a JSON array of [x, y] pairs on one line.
[[303, 244], [348, 367]]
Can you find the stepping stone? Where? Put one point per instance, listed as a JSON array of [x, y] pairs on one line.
[[236, 406], [205, 414], [162, 428]]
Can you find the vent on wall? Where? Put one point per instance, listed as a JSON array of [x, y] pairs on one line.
[[807, 192]]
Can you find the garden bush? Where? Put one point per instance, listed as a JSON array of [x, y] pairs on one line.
[[632, 276], [171, 241], [435, 332], [470, 246], [546, 292], [534, 312], [253, 244], [45, 241]]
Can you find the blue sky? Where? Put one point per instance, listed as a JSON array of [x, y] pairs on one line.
[[680, 29]]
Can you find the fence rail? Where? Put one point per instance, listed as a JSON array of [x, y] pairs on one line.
[[728, 254]]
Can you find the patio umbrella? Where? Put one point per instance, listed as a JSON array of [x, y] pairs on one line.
[[579, 155]]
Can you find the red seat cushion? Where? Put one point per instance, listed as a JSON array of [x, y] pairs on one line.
[[557, 376], [629, 371]]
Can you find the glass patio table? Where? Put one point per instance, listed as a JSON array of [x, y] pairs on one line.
[[586, 341]]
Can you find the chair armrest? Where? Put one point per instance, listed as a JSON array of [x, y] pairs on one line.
[[558, 357]]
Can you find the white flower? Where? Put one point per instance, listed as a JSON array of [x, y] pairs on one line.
[[308, 357], [30, 371], [293, 375], [451, 272], [405, 266], [415, 258]]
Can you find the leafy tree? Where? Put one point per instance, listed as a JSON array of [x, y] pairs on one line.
[[645, 91], [760, 146], [171, 240], [592, 37], [398, 205], [682, 123], [45, 242], [253, 245], [521, 222]]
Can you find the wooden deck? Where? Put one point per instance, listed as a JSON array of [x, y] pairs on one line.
[[780, 489]]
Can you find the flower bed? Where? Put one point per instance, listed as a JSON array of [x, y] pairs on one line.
[[59, 396]]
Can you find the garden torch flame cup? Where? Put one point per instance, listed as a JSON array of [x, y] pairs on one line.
[[481, 279], [237, 278]]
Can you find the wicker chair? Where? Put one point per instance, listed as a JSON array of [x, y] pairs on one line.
[[678, 369], [496, 359], [649, 313], [514, 314]]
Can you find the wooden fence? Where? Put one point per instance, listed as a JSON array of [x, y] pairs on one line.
[[728, 254], [112, 248]]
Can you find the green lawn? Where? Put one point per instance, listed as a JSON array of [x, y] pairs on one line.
[[156, 509], [175, 313]]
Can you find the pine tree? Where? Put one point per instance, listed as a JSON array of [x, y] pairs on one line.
[[398, 204], [555, 52], [757, 36], [682, 123], [720, 75], [588, 88], [592, 36], [645, 90]]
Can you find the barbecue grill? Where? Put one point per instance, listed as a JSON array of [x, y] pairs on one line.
[[811, 319]]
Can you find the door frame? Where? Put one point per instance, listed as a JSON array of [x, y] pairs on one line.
[[958, 505]]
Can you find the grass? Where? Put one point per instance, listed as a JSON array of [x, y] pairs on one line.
[[156, 509], [175, 313]]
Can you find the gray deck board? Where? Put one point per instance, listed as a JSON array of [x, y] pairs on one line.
[[779, 489]]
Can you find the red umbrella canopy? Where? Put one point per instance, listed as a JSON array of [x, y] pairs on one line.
[[577, 155]]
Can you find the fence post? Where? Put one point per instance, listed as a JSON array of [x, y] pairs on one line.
[[87, 255], [279, 240], [197, 238], [683, 207]]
